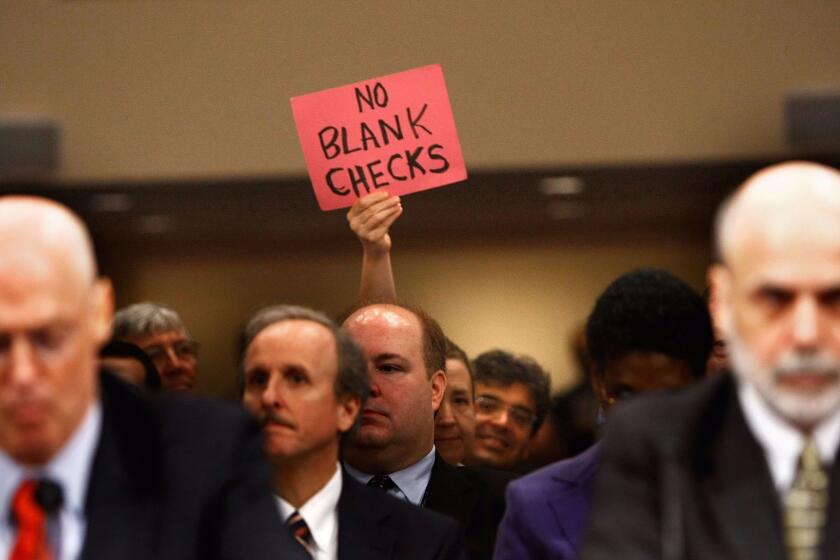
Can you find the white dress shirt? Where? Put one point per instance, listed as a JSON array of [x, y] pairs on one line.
[[411, 481], [320, 513], [782, 442], [70, 468]]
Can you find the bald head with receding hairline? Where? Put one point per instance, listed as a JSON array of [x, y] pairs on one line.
[[777, 288], [54, 315]]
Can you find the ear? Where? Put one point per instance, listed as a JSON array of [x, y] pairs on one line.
[[102, 310], [600, 388], [347, 411], [438, 381], [719, 278]]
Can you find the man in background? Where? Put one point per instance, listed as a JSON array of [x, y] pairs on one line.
[[394, 447], [306, 382], [512, 399], [161, 333]]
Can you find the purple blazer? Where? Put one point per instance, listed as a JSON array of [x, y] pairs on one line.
[[547, 510]]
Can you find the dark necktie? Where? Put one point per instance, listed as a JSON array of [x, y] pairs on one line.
[[805, 506], [31, 521], [382, 482], [300, 530]]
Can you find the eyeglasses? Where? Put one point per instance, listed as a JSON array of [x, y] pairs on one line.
[[183, 349], [493, 407]]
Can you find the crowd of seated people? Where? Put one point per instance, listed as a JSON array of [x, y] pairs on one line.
[[374, 436]]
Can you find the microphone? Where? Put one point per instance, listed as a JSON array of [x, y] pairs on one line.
[[49, 495]]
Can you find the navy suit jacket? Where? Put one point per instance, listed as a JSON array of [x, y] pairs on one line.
[[179, 479], [373, 525], [547, 510]]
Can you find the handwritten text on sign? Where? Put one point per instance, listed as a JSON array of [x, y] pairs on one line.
[[395, 132]]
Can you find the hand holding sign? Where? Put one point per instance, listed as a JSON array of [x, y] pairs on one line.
[[370, 219], [396, 131]]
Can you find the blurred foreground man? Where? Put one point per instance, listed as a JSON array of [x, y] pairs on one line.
[[89, 468], [744, 466], [393, 450], [306, 381], [164, 337]]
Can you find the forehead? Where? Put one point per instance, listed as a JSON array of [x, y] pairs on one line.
[[515, 394], [457, 375], [160, 338], [386, 329], [36, 287], [294, 340], [785, 253], [645, 369]]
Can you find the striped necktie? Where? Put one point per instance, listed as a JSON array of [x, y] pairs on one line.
[[805, 506], [300, 530]]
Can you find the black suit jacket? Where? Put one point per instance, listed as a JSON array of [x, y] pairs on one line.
[[373, 525], [472, 496], [179, 479], [683, 478]]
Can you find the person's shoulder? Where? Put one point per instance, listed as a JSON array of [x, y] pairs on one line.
[[566, 471], [406, 516]]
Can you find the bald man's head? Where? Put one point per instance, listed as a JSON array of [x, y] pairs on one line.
[[778, 288], [54, 316]]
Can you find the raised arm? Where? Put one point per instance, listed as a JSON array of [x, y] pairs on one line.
[[370, 219]]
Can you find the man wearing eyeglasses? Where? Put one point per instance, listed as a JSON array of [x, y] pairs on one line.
[[161, 333], [512, 399]]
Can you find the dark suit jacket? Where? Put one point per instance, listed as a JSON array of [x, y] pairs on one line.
[[179, 478], [682, 477], [373, 525], [548, 509], [474, 497]]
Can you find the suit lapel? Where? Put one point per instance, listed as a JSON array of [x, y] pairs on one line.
[[572, 492], [450, 492], [125, 481], [363, 531], [737, 485], [831, 537]]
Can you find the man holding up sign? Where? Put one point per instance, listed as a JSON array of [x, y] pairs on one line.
[[396, 131]]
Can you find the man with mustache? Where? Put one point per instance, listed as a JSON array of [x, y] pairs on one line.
[[744, 465], [394, 447], [306, 381]]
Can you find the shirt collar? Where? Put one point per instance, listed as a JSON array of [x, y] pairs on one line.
[[319, 511], [411, 481], [70, 467], [783, 443]]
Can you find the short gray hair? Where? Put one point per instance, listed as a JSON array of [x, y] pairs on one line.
[[144, 318], [352, 378]]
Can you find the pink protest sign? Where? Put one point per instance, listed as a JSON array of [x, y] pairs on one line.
[[396, 133]]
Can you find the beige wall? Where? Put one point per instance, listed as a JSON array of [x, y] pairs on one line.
[[174, 88], [524, 297]]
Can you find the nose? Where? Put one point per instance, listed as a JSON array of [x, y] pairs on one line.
[[444, 415], [375, 390], [272, 395], [806, 323], [501, 418], [22, 364]]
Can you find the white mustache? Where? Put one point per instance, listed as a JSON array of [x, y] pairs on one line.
[[794, 364]]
